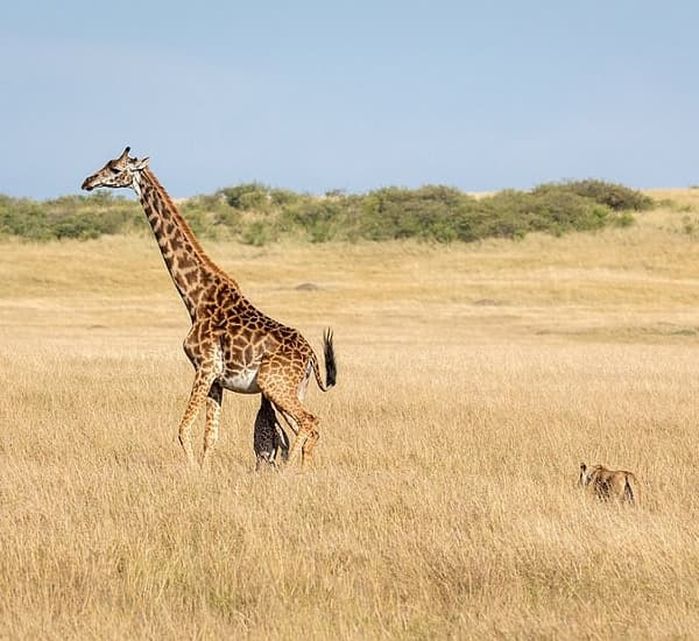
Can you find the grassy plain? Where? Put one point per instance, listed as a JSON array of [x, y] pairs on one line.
[[472, 382]]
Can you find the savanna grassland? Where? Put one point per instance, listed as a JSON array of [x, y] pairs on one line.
[[473, 380]]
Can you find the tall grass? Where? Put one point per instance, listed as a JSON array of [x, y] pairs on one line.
[[472, 382]]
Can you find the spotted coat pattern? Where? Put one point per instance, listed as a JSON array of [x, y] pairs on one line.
[[231, 344]]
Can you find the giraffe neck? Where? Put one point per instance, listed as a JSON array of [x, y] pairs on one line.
[[192, 271]]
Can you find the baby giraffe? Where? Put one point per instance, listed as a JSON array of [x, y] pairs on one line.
[[609, 484], [231, 344], [270, 440]]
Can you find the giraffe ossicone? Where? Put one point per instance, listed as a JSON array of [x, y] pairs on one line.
[[231, 344]]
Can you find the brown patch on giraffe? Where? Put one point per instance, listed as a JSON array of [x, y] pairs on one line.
[[186, 262]]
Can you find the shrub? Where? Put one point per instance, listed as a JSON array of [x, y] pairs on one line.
[[321, 219], [257, 215], [258, 233], [392, 213], [282, 197], [68, 217], [615, 196], [248, 196]]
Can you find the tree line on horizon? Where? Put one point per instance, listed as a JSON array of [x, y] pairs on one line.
[[256, 214]]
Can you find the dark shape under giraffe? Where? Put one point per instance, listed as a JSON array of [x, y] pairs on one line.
[[231, 344], [270, 439]]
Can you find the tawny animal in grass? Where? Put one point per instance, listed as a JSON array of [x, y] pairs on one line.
[[609, 484], [231, 344]]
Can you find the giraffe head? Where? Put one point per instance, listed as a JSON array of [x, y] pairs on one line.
[[120, 172]]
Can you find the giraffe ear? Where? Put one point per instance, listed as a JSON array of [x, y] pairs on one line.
[[142, 163]]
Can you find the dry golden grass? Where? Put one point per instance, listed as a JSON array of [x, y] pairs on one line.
[[473, 380]]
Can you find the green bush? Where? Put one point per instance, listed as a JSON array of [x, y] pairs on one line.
[[24, 218], [258, 233], [616, 197], [282, 197], [68, 217], [248, 196], [256, 214], [322, 219], [427, 213]]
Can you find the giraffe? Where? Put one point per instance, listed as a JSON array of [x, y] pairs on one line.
[[270, 439], [231, 344]]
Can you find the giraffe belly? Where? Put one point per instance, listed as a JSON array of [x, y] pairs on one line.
[[243, 381]]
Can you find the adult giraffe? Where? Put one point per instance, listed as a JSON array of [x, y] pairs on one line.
[[231, 344]]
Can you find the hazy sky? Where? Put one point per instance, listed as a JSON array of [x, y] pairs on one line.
[[316, 95]]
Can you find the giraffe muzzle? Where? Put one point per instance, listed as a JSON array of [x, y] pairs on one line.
[[86, 184]]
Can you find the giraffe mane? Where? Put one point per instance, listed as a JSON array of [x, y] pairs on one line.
[[182, 222]]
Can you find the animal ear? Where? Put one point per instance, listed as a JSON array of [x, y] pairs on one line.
[[142, 163]]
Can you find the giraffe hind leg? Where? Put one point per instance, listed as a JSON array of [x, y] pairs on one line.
[[309, 446], [281, 442], [307, 435], [281, 382]]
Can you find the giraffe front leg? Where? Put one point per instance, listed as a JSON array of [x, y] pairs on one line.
[[203, 381], [213, 420]]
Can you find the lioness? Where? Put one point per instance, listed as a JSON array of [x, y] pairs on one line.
[[609, 484]]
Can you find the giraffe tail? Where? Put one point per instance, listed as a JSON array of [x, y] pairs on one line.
[[330, 364]]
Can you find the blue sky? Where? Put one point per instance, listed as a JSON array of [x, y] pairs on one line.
[[314, 96]]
